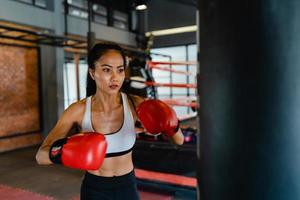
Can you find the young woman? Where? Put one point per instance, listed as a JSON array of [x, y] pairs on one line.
[[106, 119]]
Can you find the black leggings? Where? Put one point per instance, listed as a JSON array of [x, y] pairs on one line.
[[106, 188]]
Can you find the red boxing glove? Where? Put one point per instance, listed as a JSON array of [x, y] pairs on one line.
[[85, 152], [157, 117]]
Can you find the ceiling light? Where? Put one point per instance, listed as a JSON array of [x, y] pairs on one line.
[[140, 4], [141, 7], [171, 31]]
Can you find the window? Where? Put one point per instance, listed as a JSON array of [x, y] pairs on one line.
[[70, 82], [78, 3], [120, 20], [40, 3], [178, 53], [26, 1], [37, 3], [78, 8], [100, 14], [78, 13]]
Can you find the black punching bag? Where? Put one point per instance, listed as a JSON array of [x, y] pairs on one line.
[[249, 86]]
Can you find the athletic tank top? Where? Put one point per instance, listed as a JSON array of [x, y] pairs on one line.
[[119, 142]]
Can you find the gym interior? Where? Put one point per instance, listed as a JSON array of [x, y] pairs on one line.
[[229, 69]]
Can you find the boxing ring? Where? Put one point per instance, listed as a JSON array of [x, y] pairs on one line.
[[160, 176]]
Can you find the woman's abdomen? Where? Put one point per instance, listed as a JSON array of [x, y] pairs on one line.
[[115, 166]]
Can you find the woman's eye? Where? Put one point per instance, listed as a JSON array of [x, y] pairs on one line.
[[106, 70], [121, 70]]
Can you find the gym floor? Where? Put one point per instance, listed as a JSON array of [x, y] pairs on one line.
[[19, 170], [21, 178]]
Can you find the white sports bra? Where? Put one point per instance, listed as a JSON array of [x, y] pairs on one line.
[[119, 142]]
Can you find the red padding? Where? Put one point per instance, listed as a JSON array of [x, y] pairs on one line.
[[176, 102], [172, 63], [166, 178], [179, 85], [11, 193], [144, 195], [169, 70]]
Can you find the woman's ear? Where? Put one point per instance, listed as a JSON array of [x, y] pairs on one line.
[[92, 73]]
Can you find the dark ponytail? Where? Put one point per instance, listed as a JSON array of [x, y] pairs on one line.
[[90, 85], [95, 54]]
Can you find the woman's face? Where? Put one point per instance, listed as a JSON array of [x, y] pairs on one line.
[[109, 72]]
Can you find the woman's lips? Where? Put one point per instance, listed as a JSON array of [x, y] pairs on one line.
[[113, 86]]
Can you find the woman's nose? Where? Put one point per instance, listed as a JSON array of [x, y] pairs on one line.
[[114, 76]]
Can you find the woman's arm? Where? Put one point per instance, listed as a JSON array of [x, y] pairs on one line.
[[65, 123], [177, 138]]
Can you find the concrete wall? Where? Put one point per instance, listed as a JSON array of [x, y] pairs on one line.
[[80, 26], [21, 13]]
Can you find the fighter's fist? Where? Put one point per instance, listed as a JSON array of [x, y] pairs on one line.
[[157, 117], [83, 151]]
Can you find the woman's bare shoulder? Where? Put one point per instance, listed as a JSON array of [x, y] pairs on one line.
[[76, 109], [136, 99]]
